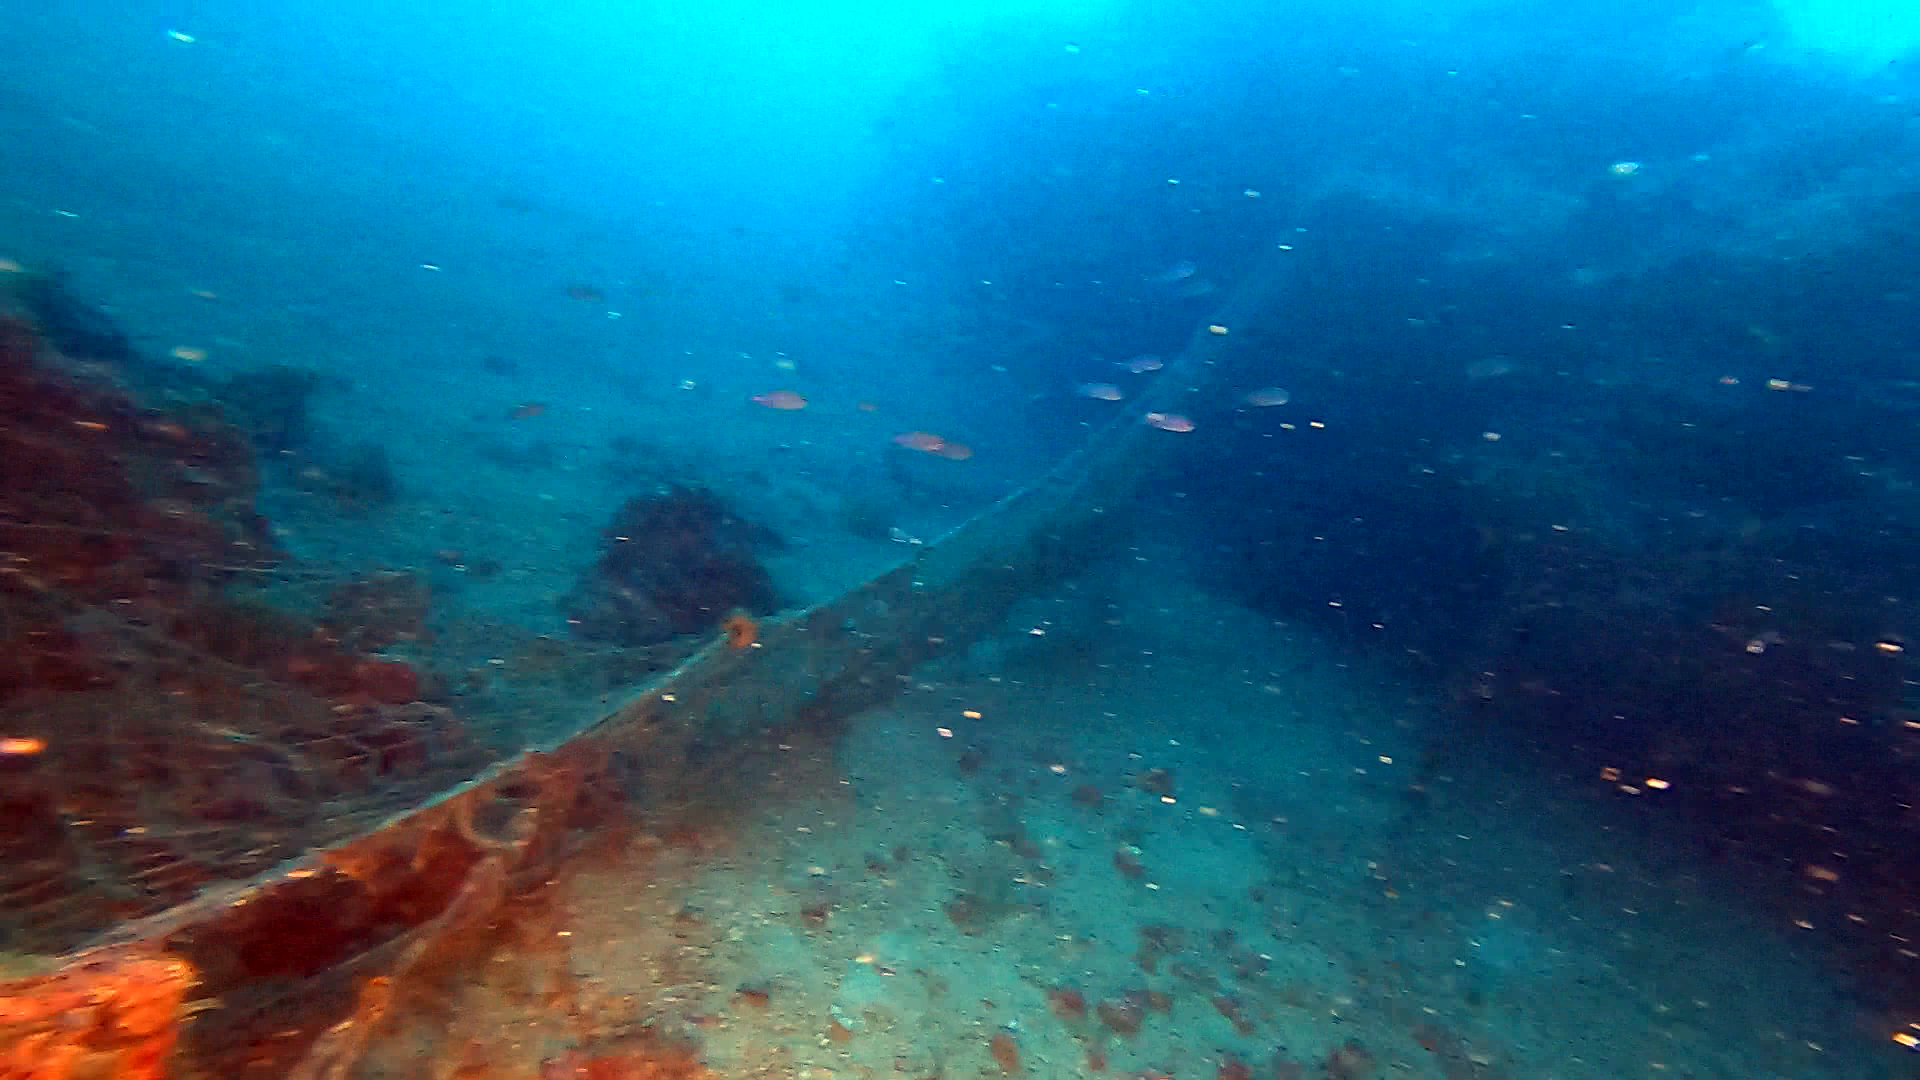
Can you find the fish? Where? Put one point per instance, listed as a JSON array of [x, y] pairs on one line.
[[592, 294], [1167, 421], [1266, 397], [1179, 271], [1099, 391], [1143, 363], [527, 410], [784, 400], [929, 443], [920, 440], [1490, 367]]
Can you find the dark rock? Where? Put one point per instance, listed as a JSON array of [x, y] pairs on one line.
[[676, 563], [69, 324]]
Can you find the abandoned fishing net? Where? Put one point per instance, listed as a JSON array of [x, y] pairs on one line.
[[237, 841]]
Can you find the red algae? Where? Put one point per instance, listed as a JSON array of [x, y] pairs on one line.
[[1350, 1061], [1067, 1003], [1157, 781], [1158, 940], [1231, 1008], [635, 1061], [1234, 1069], [1123, 1018], [1006, 1053]]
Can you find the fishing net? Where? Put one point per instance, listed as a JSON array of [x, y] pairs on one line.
[[246, 834], [159, 734]]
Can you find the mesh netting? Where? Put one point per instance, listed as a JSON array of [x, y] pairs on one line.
[[258, 806], [160, 734]]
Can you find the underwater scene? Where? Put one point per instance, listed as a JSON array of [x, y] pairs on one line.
[[856, 540]]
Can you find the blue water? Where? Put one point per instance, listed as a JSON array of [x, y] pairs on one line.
[[1583, 411]]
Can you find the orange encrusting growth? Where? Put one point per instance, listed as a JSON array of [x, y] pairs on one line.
[[115, 1014], [741, 631]]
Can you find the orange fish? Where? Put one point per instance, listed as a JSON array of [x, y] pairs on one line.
[[526, 410], [1167, 421], [785, 400], [920, 440], [1099, 391], [929, 443]]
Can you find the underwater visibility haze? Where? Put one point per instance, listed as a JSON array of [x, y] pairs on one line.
[[1220, 541]]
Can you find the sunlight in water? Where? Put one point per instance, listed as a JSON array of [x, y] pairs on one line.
[[1867, 33]]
